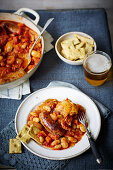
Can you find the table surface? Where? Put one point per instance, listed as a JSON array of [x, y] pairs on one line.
[[94, 23]]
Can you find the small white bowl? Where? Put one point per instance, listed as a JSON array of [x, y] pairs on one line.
[[65, 37]]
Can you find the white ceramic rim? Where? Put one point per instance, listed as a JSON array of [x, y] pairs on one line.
[[56, 158], [79, 62]]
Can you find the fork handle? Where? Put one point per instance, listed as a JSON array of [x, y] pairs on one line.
[[94, 150]]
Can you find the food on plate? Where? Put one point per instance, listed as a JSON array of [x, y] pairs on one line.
[[15, 146], [23, 134], [16, 39], [77, 47], [54, 124]]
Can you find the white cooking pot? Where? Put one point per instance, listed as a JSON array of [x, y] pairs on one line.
[[20, 16]]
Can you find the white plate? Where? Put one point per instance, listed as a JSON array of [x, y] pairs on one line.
[[68, 36], [60, 93]]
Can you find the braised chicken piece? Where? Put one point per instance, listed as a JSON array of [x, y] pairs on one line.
[[66, 107]]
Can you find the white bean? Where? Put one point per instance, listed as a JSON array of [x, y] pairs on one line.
[[58, 146], [33, 114], [55, 142], [35, 53], [41, 139], [82, 128], [53, 116], [72, 139], [36, 119], [64, 143], [9, 46], [47, 108]]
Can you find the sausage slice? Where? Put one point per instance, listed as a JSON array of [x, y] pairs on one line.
[[50, 125]]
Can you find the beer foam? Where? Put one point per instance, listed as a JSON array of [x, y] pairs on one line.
[[97, 63]]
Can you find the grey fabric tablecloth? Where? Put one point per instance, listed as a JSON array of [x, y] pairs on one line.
[[93, 22]]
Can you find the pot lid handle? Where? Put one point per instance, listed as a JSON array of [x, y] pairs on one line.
[[21, 13]]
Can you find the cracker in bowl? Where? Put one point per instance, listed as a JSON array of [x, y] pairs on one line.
[[77, 47]]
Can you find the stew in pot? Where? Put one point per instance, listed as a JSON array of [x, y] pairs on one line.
[[16, 39]]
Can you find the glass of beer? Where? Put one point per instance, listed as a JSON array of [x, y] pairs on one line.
[[96, 67]]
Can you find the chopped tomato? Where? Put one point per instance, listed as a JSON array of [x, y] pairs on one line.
[[53, 136], [15, 40], [48, 139]]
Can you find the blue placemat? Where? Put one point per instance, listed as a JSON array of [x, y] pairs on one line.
[[93, 22], [26, 160]]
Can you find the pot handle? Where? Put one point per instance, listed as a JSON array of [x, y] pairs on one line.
[[21, 13]]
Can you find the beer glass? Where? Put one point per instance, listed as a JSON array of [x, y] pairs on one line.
[[96, 67]]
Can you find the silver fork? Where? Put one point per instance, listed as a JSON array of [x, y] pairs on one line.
[[82, 119]]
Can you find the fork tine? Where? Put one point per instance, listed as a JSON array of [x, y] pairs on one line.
[[82, 118], [83, 115]]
